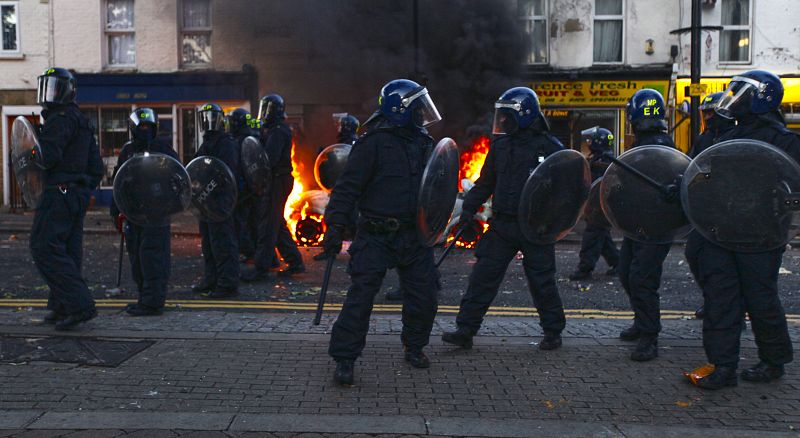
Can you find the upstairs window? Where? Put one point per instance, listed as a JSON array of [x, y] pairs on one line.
[[608, 31], [734, 44], [120, 34], [196, 33], [9, 19], [533, 14]]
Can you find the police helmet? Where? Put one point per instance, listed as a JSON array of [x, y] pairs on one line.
[[212, 118], [239, 120], [271, 109], [143, 124], [348, 124], [56, 86], [403, 101], [600, 139], [646, 110], [752, 92], [517, 108]]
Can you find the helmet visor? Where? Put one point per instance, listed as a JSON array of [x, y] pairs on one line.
[[425, 112], [736, 95], [504, 120], [211, 121], [53, 89], [268, 110], [144, 115]]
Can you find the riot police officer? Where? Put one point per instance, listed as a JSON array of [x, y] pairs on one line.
[[596, 239], [219, 240], [348, 129], [241, 125], [148, 247], [73, 167], [522, 141], [735, 282], [714, 126], [382, 179], [272, 229], [640, 264]]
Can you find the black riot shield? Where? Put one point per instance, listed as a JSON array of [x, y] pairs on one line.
[[330, 165], [553, 197], [149, 188], [214, 189], [25, 158], [641, 195], [255, 165], [438, 191], [743, 195], [593, 212]]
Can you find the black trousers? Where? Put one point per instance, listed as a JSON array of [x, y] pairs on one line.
[[596, 241], [149, 253], [56, 245], [245, 216], [494, 251], [734, 283], [220, 254], [273, 233], [370, 256], [640, 267]]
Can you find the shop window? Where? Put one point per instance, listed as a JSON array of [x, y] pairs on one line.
[[189, 139], [196, 32], [734, 44], [9, 16], [533, 14], [113, 135], [120, 35], [567, 124], [608, 31]]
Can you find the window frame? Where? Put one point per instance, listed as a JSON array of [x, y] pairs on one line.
[[18, 51], [545, 18], [205, 30], [621, 18], [748, 28], [107, 33]]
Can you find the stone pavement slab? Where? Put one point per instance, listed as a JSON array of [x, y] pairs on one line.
[[132, 420], [330, 423], [17, 419]]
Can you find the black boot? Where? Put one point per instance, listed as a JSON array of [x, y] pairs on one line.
[[763, 373], [292, 270], [551, 341], [461, 337], [646, 349], [722, 377], [630, 334], [254, 275], [222, 293], [53, 317], [700, 313], [580, 275], [71, 321], [612, 271], [142, 310], [344, 372], [202, 288], [417, 358]]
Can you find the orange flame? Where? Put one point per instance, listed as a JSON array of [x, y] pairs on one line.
[[472, 160], [293, 216]]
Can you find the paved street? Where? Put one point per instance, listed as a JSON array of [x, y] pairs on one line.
[[256, 366]]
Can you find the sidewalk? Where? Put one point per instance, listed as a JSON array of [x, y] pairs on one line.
[[238, 372]]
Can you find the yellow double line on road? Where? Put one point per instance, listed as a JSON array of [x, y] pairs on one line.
[[388, 308]]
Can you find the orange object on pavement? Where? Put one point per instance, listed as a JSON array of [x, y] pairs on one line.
[[696, 374]]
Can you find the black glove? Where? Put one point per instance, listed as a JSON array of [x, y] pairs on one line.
[[466, 218], [332, 242]]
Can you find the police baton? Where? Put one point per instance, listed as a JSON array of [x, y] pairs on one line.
[[451, 245], [326, 279], [117, 290]]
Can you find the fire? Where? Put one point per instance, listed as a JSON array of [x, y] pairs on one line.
[[297, 209], [472, 160]]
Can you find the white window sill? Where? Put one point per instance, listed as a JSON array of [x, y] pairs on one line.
[[11, 56]]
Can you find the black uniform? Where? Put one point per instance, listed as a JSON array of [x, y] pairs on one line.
[[641, 264], [148, 247], [596, 240], [734, 282], [273, 233], [716, 127], [219, 239], [382, 177], [510, 161], [74, 167]]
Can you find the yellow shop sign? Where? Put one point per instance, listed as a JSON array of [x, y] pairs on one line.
[[592, 93]]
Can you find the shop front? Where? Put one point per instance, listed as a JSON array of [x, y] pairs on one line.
[[572, 106]]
